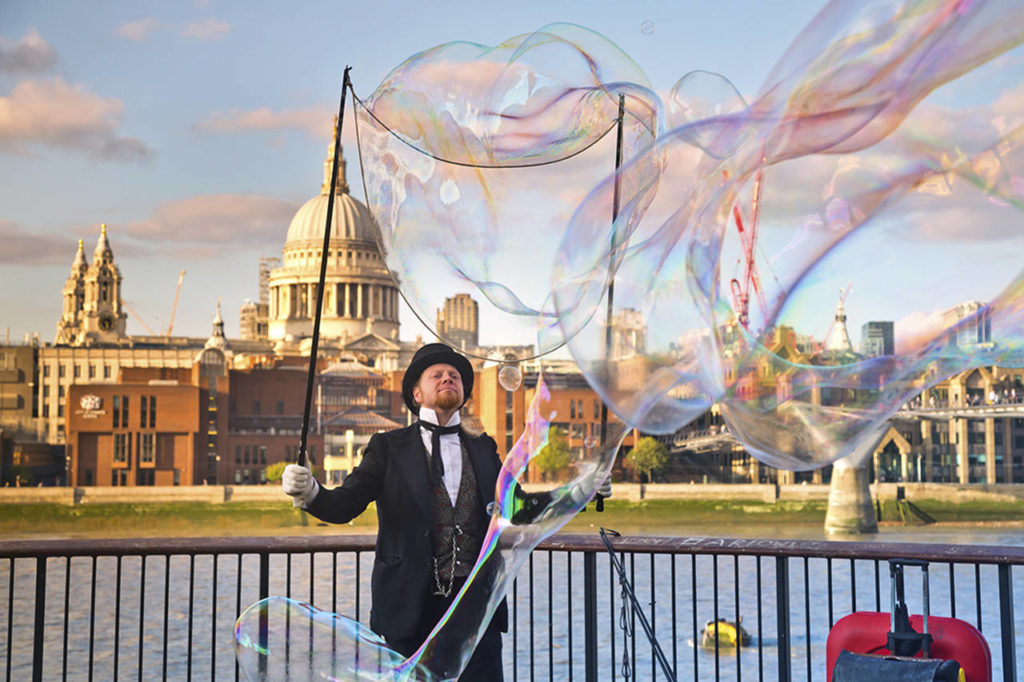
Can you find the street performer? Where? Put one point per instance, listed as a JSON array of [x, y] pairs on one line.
[[433, 483]]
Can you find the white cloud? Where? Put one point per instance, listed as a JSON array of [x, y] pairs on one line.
[[313, 120], [22, 247], [214, 222], [30, 54], [207, 29], [53, 113], [137, 30]]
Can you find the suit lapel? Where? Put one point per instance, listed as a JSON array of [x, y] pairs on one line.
[[413, 458], [483, 467]]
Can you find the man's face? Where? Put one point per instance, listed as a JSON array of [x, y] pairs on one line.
[[440, 386]]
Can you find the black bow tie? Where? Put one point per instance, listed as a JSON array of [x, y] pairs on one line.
[[435, 443]]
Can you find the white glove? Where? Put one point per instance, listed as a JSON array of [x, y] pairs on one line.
[[298, 482], [605, 489]]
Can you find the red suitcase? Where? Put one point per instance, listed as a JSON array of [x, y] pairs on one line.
[[867, 632]]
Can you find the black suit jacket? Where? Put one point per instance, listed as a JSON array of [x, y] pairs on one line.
[[393, 472]]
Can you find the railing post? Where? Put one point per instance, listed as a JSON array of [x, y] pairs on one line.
[[782, 616], [264, 593], [40, 617], [1006, 622], [590, 614]]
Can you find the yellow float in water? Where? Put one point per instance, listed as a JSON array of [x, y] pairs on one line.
[[727, 633]]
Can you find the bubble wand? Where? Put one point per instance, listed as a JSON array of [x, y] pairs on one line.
[[346, 85], [599, 506]]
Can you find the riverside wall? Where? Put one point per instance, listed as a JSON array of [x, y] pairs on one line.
[[633, 492]]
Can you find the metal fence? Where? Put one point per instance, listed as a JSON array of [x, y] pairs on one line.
[[164, 608]]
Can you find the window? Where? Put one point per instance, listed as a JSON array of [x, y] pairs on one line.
[[46, 392], [106, 371], [124, 411], [60, 392], [572, 409], [143, 411], [121, 447], [92, 371], [78, 371], [60, 409], [255, 407], [147, 453], [280, 407], [245, 455], [597, 409], [177, 477], [238, 454], [152, 411], [46, 370], [116, 409], [145, 476], [46, 411], [263, 455], [119, 477], [60, 371]]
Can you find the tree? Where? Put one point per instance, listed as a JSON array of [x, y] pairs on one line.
[[554, 456], [275, 471], [649, 457]]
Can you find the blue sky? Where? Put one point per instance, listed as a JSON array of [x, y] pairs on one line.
[[195, 129]]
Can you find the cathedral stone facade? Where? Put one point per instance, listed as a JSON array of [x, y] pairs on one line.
[[93, 313], [361, 300]]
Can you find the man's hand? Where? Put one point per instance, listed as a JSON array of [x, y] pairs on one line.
[[605, 489], [298, 482]]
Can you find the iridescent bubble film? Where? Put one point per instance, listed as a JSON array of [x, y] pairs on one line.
[[510, 377], [278, 637], [880, 158]]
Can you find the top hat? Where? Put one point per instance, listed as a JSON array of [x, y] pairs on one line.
[[435, 354]]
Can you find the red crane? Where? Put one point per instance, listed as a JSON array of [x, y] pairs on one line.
[[741, 289]]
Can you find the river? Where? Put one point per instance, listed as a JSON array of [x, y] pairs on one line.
[[92, 613]]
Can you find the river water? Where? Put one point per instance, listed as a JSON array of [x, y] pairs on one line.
[[113, 619]]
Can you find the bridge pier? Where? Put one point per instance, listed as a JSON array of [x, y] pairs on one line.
[[850, 508]]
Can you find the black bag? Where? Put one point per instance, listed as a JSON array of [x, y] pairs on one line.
[[860, 667]]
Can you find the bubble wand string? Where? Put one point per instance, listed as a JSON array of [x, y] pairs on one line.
[[599, 505], [313, 351]]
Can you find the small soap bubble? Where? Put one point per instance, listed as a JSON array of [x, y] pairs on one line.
[[510, 377], [590, 442], [647, 27]]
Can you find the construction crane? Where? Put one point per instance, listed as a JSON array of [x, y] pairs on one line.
[[748, 241], [174, 308], [135, 316]]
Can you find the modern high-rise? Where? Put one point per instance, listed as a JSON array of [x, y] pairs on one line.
[[459, 321], [877, 339]]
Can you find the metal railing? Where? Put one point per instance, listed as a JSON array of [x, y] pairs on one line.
[[164, 608]]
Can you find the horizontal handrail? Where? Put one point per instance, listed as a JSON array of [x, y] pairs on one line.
[[826, 549]]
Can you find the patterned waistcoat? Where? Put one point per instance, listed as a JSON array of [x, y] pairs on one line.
[[459, 529]]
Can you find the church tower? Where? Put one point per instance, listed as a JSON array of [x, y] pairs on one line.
[[69, 326], [360, 299], [103, 315]]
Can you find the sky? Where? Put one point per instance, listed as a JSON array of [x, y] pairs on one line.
[[194, 130]]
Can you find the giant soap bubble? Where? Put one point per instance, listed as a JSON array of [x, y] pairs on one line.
[[886, 132]]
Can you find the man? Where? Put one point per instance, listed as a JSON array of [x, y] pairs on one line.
[[433, 483]]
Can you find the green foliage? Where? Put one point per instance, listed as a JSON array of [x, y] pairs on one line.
[[275, 471], [649, 456], [555, 456]]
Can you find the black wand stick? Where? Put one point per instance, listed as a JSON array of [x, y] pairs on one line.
[[346, 84]]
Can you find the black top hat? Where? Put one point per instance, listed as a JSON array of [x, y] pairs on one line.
[[435, 354]]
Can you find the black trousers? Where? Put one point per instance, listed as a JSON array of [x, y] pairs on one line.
[[485, 664]]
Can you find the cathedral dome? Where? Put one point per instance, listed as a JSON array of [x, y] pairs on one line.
[[351, 220]]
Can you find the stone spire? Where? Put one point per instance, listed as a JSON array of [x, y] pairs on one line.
[[103, 252], [839, 339], [80, 265], [217, 338], [342, 184]]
